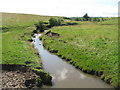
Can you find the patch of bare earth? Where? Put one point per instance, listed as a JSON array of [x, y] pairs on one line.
[[17, 79]]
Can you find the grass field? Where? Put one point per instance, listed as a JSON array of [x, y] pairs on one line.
[[16, 47], [91, 47], [13, 19]]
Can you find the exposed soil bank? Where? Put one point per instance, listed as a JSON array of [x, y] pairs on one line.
[[21, 76], [16, 79]]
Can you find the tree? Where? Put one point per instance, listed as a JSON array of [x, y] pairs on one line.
[[86, 17], [53, 22], [76, 19], [40, 26], [94, 19], [98, 19], [59, 21], [102, 19], [89, 19]]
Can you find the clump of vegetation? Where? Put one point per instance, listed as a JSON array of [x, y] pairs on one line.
[[46, 78], [55, 22], [86, 17], [40, 26]]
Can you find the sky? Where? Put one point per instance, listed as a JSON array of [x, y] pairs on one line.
[[68, 8]]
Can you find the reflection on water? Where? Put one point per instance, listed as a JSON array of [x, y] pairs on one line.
[[63, 74], [82, 76]]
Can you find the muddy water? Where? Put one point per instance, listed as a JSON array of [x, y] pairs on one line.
[[63, 74]]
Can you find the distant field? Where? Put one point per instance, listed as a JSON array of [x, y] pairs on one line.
[[12, 19], [91, 47]]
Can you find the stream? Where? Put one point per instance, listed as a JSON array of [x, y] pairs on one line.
[[63, 74]]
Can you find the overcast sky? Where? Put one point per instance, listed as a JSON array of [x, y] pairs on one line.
[[69, 8]]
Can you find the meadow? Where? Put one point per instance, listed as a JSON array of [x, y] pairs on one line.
[[17, 48], [13, 19], [90, 46], [16, 33]]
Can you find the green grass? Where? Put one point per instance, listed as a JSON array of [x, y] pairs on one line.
[[0, 47], [16, 47], [15, 20], [91, 46]]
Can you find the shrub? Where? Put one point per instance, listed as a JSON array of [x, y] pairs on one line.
[[72, 23], [40, 26], [86, 17], [53, 22]]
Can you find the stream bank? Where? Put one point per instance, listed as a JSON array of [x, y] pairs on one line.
[[22, 76]]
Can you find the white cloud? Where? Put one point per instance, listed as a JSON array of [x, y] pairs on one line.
[[62, 74], [61, 7]]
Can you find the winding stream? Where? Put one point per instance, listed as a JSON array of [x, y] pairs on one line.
[[63, 74]]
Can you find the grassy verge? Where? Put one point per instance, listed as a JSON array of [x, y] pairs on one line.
[[91, 47]]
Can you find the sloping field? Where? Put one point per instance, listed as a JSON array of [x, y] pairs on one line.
[[17, 48], [13, 19]]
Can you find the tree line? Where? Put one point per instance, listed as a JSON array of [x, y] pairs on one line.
[[86, 18], [41, 26]]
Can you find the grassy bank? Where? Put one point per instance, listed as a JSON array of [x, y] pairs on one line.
[[16, 46], [91, 47]]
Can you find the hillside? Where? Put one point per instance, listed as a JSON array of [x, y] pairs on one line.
[[17, 49], [13, 19]]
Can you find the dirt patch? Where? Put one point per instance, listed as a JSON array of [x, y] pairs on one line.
[[19, 76], [17, 79], [52, 34]]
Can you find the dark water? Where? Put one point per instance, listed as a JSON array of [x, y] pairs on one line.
[[65, 75]]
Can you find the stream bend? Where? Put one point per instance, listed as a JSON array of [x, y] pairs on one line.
[[63, 74]]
